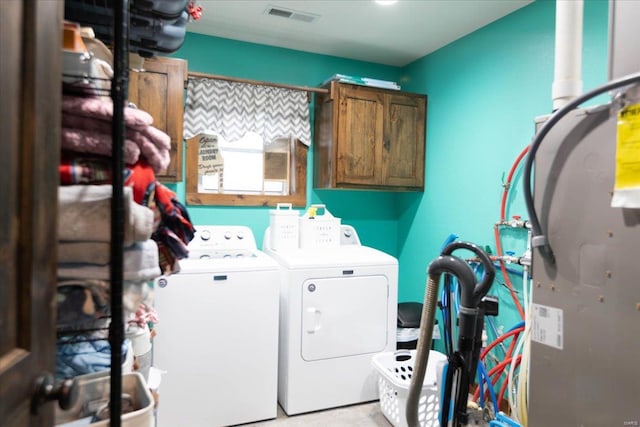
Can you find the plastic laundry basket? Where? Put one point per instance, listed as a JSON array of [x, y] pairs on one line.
[[395, 370]]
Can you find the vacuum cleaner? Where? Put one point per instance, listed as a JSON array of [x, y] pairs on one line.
[[463, 361]]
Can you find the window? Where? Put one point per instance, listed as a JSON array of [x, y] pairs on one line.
[[247, 142]]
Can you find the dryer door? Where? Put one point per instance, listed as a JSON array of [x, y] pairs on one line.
[[344, 316]]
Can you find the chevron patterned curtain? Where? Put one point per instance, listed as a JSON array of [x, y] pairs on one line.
[[232, 109]]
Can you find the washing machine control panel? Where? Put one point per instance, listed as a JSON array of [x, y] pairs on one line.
[[222, 241]]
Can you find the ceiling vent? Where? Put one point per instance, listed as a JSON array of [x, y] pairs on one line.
[[290, 14]]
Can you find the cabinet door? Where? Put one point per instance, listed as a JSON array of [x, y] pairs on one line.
[[404, 141], [30, 41], [360, 135], [159, 90]]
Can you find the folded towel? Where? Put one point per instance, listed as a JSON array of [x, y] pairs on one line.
[[102, 108], [158, 158], [86, 303], [77, 168], [97, 253], [84, 141], [156, 136], [83, 304], [75, 356], [85, 134], [140, 264], [159, 138], [84, 214]]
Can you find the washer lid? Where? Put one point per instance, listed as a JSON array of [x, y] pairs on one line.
[[329, 257]]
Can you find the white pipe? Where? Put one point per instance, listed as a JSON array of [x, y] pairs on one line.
[[567, 83]]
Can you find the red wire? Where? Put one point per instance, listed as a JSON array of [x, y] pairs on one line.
[[508, 355], [500, 339], [499, 368], [503, 209], [507, 185]]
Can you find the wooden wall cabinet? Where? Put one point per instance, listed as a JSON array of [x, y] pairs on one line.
[[369, 138], [159, 90]]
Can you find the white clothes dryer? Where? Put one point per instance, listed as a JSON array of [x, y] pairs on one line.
[[217, 337], [338, 308]]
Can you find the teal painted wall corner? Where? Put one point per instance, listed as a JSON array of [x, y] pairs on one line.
[[484, 92]]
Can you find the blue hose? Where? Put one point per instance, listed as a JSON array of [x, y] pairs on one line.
[[492, 394], [510, 270], [480, 382], [516, 326], [450, 239], [503, 421], [497, 264], [456, 297], [445, 298]]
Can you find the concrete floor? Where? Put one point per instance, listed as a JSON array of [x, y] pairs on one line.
[[363, 415]]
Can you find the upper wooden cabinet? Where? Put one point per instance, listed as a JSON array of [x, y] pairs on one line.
[[159, 90], [369, 138]]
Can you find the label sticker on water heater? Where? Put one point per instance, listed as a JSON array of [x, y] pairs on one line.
[[547, 326]]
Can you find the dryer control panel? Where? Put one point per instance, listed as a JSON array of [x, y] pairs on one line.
[[348, 236]]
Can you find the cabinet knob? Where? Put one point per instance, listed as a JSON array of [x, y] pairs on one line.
[[66, 392], [387, 144]]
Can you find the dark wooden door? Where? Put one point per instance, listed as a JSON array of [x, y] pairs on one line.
[[30, 42], [159, 90]]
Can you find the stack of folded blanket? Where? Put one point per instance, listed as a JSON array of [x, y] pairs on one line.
[[85, 160], [84, 291], [157, 226], [86, 128], [172, 229]]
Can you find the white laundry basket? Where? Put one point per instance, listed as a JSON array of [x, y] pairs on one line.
[[319, 230], [395, 370], [93, 398], [284, 227]]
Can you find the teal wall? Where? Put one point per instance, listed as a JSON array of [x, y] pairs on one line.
[[484, 92], [373, 214]]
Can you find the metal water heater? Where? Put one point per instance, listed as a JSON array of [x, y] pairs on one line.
[[586, 306]]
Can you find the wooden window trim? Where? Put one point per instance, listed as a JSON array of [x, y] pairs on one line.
[[297, 197]]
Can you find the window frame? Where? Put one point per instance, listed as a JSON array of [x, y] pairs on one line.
[[298, 186]]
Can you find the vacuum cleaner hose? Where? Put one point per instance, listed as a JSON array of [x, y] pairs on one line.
[[480, 290], [442, 264]]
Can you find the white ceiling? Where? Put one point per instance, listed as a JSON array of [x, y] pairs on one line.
[[357, 29]]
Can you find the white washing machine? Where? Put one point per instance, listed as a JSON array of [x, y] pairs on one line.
[[338, 308], [217, 338]]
